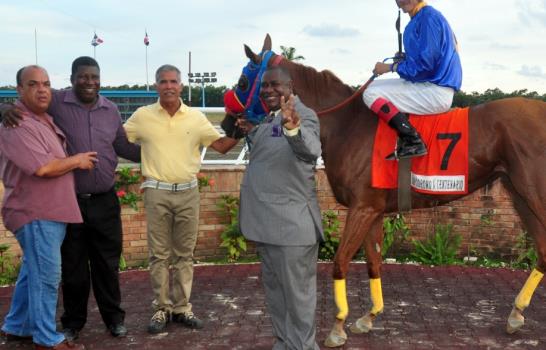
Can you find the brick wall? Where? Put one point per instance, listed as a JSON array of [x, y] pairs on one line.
[[486, 219]]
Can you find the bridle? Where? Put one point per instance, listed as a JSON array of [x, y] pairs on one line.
[[254, 96]]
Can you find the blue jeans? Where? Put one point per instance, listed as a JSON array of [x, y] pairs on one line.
[[34, 300]]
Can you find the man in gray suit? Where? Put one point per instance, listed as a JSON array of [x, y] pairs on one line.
[[279, 209]]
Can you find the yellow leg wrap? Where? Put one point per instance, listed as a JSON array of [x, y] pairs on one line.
[[376, 296], [524, 297], [340, 295]]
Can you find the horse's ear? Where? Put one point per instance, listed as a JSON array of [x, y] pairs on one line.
[[251, 55], [267, 43]]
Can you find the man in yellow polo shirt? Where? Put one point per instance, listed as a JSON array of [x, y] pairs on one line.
[[170, 134]]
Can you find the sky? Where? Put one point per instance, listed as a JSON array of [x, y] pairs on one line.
[[502, 42]]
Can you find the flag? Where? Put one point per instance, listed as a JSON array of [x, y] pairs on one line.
[[146, 40], [96, 40]]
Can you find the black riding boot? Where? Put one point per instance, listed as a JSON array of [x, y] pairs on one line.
[[410, 143]]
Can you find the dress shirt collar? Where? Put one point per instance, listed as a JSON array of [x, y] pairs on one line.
[[182, 109], [27, 112], [48, 121]]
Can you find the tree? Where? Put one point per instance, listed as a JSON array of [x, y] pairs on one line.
[[462, 99], [290, 53], [214, 95]]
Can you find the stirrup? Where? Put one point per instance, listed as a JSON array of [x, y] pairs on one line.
[[393, 155], [396, 154]]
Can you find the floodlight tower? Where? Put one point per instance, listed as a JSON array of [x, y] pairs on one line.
[[202, 78]]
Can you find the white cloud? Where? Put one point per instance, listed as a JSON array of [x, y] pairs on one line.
[[504, 46], [532, 71], [341, 51], [494, 66], [532, 12], [344, 36], [330, 30]]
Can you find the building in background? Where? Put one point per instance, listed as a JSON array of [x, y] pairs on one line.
[[126, 100]]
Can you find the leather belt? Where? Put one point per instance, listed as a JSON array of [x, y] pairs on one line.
[[150, 183], [92, 195]]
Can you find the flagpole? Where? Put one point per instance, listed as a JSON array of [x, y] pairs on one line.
[[36, 45], [147, 85], [146, 45], [189, 83]]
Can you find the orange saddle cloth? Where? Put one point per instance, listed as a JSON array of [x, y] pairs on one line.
[[444, 170]]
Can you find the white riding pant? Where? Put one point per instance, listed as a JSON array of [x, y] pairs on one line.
[[408, 97]]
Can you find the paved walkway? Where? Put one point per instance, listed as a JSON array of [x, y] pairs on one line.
[[425, 308]]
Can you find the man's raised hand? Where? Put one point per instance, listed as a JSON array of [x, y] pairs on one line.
[[290, 118]]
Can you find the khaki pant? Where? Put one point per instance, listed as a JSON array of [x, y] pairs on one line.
[[173, 219]]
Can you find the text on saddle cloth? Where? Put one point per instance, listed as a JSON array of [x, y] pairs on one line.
[[444, 170]]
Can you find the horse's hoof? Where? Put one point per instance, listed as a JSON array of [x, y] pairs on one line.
[[335, 339], [515, 321], [362, 325]]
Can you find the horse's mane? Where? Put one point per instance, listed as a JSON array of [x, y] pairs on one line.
[[317, 82], [319, 89]]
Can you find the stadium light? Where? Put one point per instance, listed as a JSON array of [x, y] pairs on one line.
[[202, 78]]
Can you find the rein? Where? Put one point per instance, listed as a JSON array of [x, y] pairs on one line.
[[349, 99], [342, 104], [276, 59]]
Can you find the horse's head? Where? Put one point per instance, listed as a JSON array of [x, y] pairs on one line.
[[245, 98]]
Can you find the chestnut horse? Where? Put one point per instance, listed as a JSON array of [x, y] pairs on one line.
[[507, 140]]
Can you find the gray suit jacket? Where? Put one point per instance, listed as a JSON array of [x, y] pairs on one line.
[[278, 193]]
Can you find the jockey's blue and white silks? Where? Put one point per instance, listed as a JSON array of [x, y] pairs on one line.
[[431, 51]]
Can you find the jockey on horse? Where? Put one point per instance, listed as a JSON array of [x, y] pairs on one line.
[[430, 73]]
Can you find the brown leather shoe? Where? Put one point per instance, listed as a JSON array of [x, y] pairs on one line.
[[65, 345]]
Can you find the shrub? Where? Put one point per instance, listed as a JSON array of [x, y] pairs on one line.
[[204, 181], [126, 177], [527, 257], [330, 225], [395, 232], [8, 270], [439, 249], [232, 238]]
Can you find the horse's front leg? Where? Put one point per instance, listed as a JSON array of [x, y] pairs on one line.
[[359, 221], [373, 243]]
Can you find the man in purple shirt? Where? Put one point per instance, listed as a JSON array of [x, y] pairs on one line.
[[91, 250], [33, 161]]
